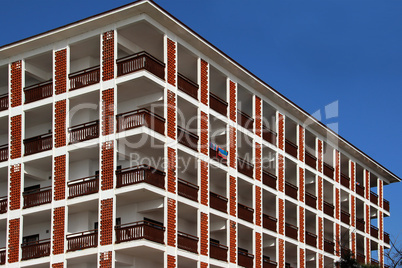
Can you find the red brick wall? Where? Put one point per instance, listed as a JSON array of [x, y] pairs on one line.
[[58, 265], [320, 233], [232, 101], [105, 260], [258, 250], [16, 84], [171, 261], [204, 82], [107, 166], [171, 62], [233, 242], [171, 224], [60, 71], [352, 210], [381, 252], [204, 183], [203, 265], [301, 258], [281, 253], [232, 147], [258, 167], [353, 240], [301, 224], [233, 196], [106, 222], [60, 177], [320, 260], [204, 133], [108, 55], [301, 184], [281, 131], [16, 126], [320, 157], [58, 230], [367, 219], [352, 176], [368, 250], [367, 186], [281, 220], [108, 112], [204, 234], [281, 173], [13, 240], [60, 111], [171, 115], [15, 187], [337, 166], [337, 203], [171, 170], [258, 116], [337, 239], [380, 225], [258, 208], [320, 199], [301, 143], [380, 193]]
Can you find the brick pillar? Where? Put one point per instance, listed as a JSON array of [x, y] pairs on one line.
[[232, 101], [58, 230], [107, 165], [13, 240], [204, 82], [367, 219], [171, 114], [171, 62], [204, 133], [203, 265], [171, 261], [59, 177], [58, 265], [281, 253], [204, 183], [60, 113], [108, 55], [15, 187], [353, 210], [258, 161], [232, 196], [380, 226], [320, 260], [352, 176], [337, 203], [380, 191], [281, 216], [233, 242], [320, 199], [320, 156], [368, 250], [60, 80], [320, 231], [204, 238], [381, 255], [16, 84], [301, 184], [353, 238], [337, 166], [15, 130], [301, 143], [258, 250], [108, 112], [106, 222], [301, 225], [258, 116], [281, 173], [302, 258], [281, 131], [105, 260], [171, 170], [232, 147], [171, 224], [367, 185], [337, 239]]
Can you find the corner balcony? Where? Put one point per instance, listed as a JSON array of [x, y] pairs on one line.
[[291, 190], [38, 92], [3, 204], [38, 144], [187, 86], [140, 61], [386, 238], [386, 204], [329, 246], [4, 102], [269, 222], [245, 213], [291, 231], [269, 179], [345, 180], [245, 167], [345, 217], [215, 155], [83, 186], [328, 171], [360, 190], [218, 104], [291, 148], [35, 249], [311, 160], [83, 78], [245, 120], [311, 239], [187, 138], [373, 197], [329, 209], [311, 200], [218, 251], [3, 152], [360, 224], [269, 135], [187, 189], [2, 256], [37, 197], [139, 174], [140, 230], [84, 132], [187, 242], [374, 231], [267, 263], [82, 240], [361, 258], [218, 202], [140, 118], [245, 259]]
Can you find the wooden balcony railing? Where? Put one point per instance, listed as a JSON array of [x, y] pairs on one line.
[[140, 230], [84, 132], [187, 86], [187, 189], [83, 78], [245, 259], [37, 197], [138, 174], [245, 213], [218, 251], [328, 209], [3, 152], [187, 138], [360, 224], [345, 217], [310, 159], [345, 252], [373, 197], [218, 202], [291, 190], [328, 171], [291, 148], [361, 258], [35, 249], [291, 230], [83, 186], [269, 222], [386, 237], [215, 156], [218, 104], [360, 190], [386, 204], [140, 118], [245, 120], [4, 102], [311, 200], [82, 240], [2, 256], [268, 263], [269, 179], [345, 180], [39, 91], [329, 246], [187, 242], [269, 135], [311, 239], [245, 167], [3, 204], [374, 231], [38, 144], [140, 61]]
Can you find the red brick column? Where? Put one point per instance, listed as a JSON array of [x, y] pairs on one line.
[[301, 143], [301, 225], [108, 112], [171, 261], [171, 224], [258, 116], [367, 186], [58, 230], [16, 84], [352, 176], [281, 216], [258, 250], [320, 233], [232, 147], [337, 204], [367, 219], [108, 55], [60, 111], [232, 101], [59, 177], [204, 82], [281, 131], [320, 260], [353, 210], [302, 259], [281, 253], [281, 173], [381, 255], [16, 128], [337, 166], [204, 183], [233, 242], [58, 265], [380, 192], [353, 238], [107, 165], [320, 199], [204, 141], [320, 156], [13, 240], [258, 161], [204, 234], [258, 207], [171, 170], [15, 187], [203, 265], [301, 184], [171, 114], [105, 260], [232, 196], [60, 71], [368, 249], [106, 222], [380, 226], [337, 239], [171, 62]]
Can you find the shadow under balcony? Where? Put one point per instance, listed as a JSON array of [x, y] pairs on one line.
[[140, 230], [83, 186], [218, 202], [268, 263], [83, 78], [38, 91], [37, 197], [38, 144], [3, 152], [140, 118], [245, 259], [218, 251], [140, 61], [4, 102], [245, 167], [291, 148], [84, 132], [35, 249], [187, 138], [82, 240], [269, 222], [187, 242], [269, 179], [245, 213], [218, 104], [187, 86], [187, 189], [138, 174], [3, 204]]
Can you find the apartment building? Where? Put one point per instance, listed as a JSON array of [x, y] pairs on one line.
[[130, 141]]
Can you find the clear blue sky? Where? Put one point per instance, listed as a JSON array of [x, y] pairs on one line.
[[313, 52]]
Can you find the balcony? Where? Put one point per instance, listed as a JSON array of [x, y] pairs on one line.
[[269, 179], [218, 202], [345, 180], [35, 249], [217, 156], [311, 239], [291, 231], [311, 200], [328, 171], [140, 230], [386, 238], [82, 240], [245, 167], [386, 204], [360, 224], [360, 258], [267, 263], [187, 189], [245, 120], [83, 78], [329, 246], [84, 132], [37, 197], [360, 190], [138, 174], [3, 204], [291, 190], [218, 104], [38, 92], [245, 259], [2, 256], [187, 138], [187, 86], [3, 152], [4, 102], [373, 197], [328, 209], [374, 231], [140, 118], [269, 135], [245, 213], [218, 251], [38, 144], [311, 160], [140, 61], [269, 222], [345, 217], [187, 242], [291, 148], [374, 262], [83, 186]]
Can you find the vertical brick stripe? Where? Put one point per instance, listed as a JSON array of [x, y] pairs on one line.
[[58, 230], [281, 131], [320, 233], [353, 240], [233, 242], [301, 258], [367, 186], [367, 219], [232, 101], [107, 166], [108, 112], [232, 147], [58, 265], [233, 194], [337, 240], [60, 111], [105, 260], [258, 116], [171, 225], [204, 183], [16, 84], [258, 207], [204, 133], [301, 143], [381, 251], [13, 240], [337, 203], [204, 234], [368, 250], [320, 198], [380, 226], [337, 166], [60, 71], [171, 62], [281, 173], [301, 184], [106, 222], [171, 170], [204, 82], [258, 164], [171, 114], [281, 253], [352, 210], [60, 177], [258, 250], [203, 265], [108, 55], [380, 193], [301, 225], [281, 212], [15, 187], [171, 261], [353, 176], [320, 156], [16, 128], [320, 260]]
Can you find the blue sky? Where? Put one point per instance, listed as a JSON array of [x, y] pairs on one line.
[[313, 52]]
